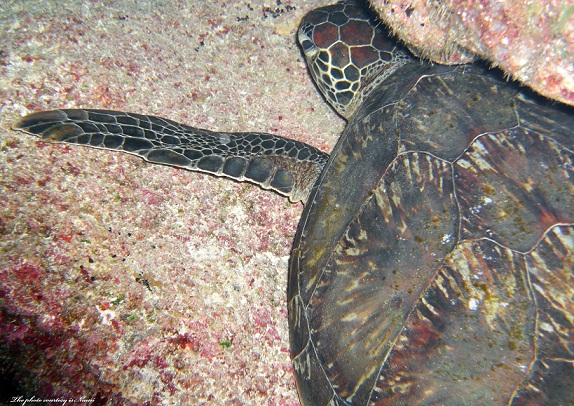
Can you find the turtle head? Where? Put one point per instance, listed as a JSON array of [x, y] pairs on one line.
[[348, 54]]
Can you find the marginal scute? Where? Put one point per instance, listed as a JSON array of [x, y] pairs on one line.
[[310, 379], [297, 317]]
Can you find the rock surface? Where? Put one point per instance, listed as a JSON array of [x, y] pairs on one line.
[[136, 284], [532, 41], [85, 232]]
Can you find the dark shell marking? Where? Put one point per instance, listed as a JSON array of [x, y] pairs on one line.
[[446, 271]]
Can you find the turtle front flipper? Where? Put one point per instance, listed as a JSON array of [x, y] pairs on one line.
[[272, 162]]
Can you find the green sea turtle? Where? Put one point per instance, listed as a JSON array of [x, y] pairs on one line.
[[433, 263]]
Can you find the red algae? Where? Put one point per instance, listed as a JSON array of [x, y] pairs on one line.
[[130, 283]]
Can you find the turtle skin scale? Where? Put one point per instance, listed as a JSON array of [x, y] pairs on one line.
[[433, 263]]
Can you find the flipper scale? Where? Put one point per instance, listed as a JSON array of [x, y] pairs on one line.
[[286, 166]]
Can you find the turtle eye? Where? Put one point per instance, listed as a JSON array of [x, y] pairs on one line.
[[307, 44]]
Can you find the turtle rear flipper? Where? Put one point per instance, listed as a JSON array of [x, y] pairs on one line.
[[272, 162]]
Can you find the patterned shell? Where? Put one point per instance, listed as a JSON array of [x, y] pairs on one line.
[[435, 258]]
